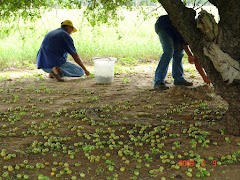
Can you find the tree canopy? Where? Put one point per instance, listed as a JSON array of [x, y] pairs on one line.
[[96, 11]]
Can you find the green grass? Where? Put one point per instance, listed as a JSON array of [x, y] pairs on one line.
[[131, 42]]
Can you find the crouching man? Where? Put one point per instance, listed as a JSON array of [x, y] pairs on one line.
[[52, 55]]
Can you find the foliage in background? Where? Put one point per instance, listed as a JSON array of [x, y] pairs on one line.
[[132, 40], [100, 11], [27, 9]]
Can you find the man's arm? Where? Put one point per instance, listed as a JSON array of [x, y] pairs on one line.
[[80, 63]]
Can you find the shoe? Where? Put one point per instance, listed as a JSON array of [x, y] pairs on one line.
[[161, 86], [183, 83], [57, 77]]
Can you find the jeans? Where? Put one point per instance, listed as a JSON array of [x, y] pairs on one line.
[[68, 69], [171, 50]]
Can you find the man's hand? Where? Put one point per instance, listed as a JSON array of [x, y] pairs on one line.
[[80, 63], [87, 72]]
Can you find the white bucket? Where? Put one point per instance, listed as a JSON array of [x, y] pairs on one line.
[[104, 69]]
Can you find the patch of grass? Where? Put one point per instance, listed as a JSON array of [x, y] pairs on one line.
[[126, 81], [4, 76]]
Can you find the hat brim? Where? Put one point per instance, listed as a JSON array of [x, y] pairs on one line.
[[74, 29]]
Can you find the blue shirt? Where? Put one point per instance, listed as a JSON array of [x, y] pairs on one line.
[[165, 23], [55, 48]]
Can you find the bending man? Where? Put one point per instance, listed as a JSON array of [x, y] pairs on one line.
[[173, 45]]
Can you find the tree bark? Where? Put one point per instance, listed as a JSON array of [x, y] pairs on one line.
[[183, 19]]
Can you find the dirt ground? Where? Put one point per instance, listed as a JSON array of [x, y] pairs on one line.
[[124, 130]]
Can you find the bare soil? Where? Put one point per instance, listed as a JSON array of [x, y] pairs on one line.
[[122, 130]]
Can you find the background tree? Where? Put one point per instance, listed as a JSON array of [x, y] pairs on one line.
[[216, 45]]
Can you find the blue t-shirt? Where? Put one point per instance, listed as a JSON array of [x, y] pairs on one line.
[[165, 23], [55, 48]]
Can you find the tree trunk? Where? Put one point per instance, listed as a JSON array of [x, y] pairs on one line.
[[183, 19]]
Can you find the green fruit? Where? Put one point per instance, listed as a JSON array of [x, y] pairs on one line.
[[25, 161], [122, 169], [198, 174], [5, 174], [111, 168], [136, 173], [82, 175], [74, 177], [58, 175], [77, 164], [17, 167], [25, 176], [54, 155], [19, 176], [3, 154], [189, 174], [207, 173], [147, 165]]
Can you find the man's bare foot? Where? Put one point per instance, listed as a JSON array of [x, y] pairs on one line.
[[50, 75], [57, 77], [57, 74], [56, 70]]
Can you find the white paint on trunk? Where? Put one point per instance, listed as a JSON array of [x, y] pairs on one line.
[[228, 67]]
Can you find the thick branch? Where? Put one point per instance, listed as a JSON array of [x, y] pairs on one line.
[[230, 4]]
